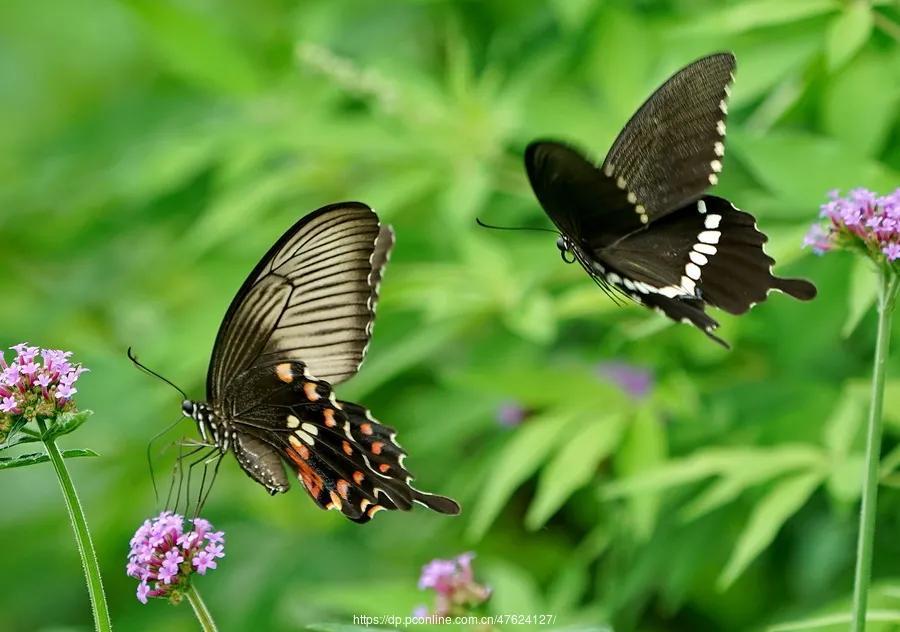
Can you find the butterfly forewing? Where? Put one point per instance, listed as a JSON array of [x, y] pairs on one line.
[[310, 297], [671, 150]]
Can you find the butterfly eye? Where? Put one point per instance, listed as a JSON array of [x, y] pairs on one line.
[[565, 248], [187, 407]]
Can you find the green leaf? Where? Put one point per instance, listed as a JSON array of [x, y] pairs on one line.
[[834, 620], [196, 47], [66, 423], [771, 512], [862, 125], [761, 13], [802, 168], [534, 318], [517, 461], [572, 467], [712, 461], [862, 294], [41, 457], [847, 33], [16, 436], [644, 448]]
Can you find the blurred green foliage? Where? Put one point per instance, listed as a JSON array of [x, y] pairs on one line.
[[155, 148]]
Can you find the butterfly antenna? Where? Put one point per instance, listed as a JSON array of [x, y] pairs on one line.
[[134, 359], [545, 230]]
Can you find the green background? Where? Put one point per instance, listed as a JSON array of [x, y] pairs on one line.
[[154, 149]]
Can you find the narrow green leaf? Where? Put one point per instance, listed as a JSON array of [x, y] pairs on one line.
[[41, 457], [863, 125], [66, 423], [645, 447], [834, 620], [518, 460], [801, 167], [196, 47], [761, 13], [847, 33], [572, 467], [773, 510], [15, 435]]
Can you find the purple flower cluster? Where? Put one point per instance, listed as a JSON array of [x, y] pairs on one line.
[[637, 382], [164, 553], [37, 387], [454, 583], [862, 218], [511, 413]]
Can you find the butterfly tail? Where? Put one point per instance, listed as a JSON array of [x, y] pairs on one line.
[[798, 288]]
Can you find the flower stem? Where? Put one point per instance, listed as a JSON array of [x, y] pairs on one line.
[[82, 536], [886, 299], [200, 609]]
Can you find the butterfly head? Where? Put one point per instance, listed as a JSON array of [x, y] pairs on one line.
[[565, 248], [188, 407]]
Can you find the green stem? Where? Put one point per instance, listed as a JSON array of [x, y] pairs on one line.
[[82, 536], [200, 609], [886, 298]]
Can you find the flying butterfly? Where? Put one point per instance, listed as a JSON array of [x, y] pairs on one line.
[[642, 224], [300, 324]]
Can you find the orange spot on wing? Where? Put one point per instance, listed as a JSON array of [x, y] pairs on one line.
[[335, 499], [366, 429], [284, 373], [358, 477], [383, 468], [347, 449], [376, 447], [343, 487], [328, 413], [374, 510], [312, 394], [310, 478]]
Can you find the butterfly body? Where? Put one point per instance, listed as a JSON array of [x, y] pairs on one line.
[[642, 224], [300, 323]]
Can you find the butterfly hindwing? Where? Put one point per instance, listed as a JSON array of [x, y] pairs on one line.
[[344, 458]]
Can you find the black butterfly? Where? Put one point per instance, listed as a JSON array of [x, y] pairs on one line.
[[300, 323], [641, 224]]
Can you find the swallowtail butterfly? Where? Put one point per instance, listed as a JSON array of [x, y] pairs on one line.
[[642, 224], [299, 324]]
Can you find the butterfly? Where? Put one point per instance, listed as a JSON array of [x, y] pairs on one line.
[[300, 324], [642, 224]]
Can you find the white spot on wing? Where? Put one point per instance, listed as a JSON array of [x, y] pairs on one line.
[[311, 429], [712, 221], [692, 270], [709, 237], [697, 258], [705, 249]]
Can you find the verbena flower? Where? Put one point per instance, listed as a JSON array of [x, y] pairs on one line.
[[164, 556], [36, 387], [511, 413], [861, 220], [634, 380], [453, 581]]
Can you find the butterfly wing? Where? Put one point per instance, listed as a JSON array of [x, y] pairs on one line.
[[584, 203], [706, 253], [345, 458], [312, 296], [671, 150]]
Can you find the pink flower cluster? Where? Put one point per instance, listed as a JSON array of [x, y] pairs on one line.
[[455, 585], [164, 553], [37, 387], [862, 218]]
